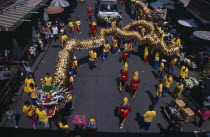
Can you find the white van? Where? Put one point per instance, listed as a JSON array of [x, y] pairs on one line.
[[105, 8]]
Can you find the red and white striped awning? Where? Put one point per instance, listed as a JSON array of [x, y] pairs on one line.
[[59, 3]]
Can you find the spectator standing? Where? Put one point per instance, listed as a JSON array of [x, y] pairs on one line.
[[148, 117], [55, 32], [11, 117], [204, 115]]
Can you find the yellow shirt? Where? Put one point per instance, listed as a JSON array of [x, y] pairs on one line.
[[143, 30], [71, 24], [64, 38], [27, 111], [78, 23], [93, 55], [149, 115], [29, 81], [106, 48], [106, 19], [157, 57], [42, 115], [146, 52], [74, 63], [48, 81], [33, 93], [179, 88], [167, 81], [184, 72], [162, 36], [159, 29], [64, 128], [159, 90], [71, 79], [161, 66], [173, 62], [113, 24]]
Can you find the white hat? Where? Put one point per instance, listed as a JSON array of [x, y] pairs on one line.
[[74, 57], [163, 60]]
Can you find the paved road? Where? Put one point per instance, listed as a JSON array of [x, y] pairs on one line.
[[96, 94]]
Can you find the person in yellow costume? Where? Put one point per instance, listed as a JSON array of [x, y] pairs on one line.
[[28, 110], [148, 117], [106, 48], [47, 80], [33, 94], [178, 90], [74, 64], [78, 23], [184, 72], [167, 81], [172, 64], [115, 48], [107, 21], [41, 114], [159, 92], [114, 23], [71, 26], [63, 39], [92, 59], [177, 41], [146, 53], [63, 127], [143, 30], [157, 60], [161, 69], [28, 81], [162, 36]]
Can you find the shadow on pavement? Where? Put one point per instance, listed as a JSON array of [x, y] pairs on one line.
[[151, 97], [139, 118]]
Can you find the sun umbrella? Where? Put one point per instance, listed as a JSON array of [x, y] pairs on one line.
[[188, 23], [54, 10], [59, 3], [202, 34]]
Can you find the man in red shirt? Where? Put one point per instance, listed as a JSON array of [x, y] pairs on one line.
[[89, 11]]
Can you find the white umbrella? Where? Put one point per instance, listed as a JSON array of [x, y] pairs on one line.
[[188, 23], [59, 3], [202, 34]]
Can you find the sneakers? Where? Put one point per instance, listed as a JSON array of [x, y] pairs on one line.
[[121, 126]]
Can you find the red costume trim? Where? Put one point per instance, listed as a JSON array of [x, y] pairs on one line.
[[124, 75], [134, 84], [125, 54], [123, 110]]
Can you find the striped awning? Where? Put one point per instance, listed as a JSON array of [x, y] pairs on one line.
[[13, 15]]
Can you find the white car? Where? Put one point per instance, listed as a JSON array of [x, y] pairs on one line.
[[106, 8]]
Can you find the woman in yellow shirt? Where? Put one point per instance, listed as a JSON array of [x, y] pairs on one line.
[[28, 110], [71, 26], [33, 94], [28, 81], [78, 23], [42, 116]]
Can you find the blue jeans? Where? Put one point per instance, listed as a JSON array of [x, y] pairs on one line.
[[73, 72], [156, 100], [13, 121], [165, 90], [115, 50], [33, 101], [91, 64], [104, 55], [156, 65], [145, 125]]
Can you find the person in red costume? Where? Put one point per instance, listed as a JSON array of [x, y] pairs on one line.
[[124, 76], [134, 84], [123, 110], [122, 2], [93, 29], [89, 11], [125, 54]]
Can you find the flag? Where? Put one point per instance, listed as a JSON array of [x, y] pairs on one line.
[[26, 66]]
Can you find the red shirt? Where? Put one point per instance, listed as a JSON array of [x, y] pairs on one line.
[[93, 29], [89, 10], [125, 54], [122, 1], [134, 84], [124, 75], [123, 110]]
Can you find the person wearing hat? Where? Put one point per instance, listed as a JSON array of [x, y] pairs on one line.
[[157, 60], [178, 90], [124, 76], [167, 81], [78, 23], [93, 29], [106, 48], [161, 69], [115, 48], [92, 59], [183, 72], [123, 111], [172, 64], [28, 81], [74, 67], [146, 53], [158, 92], [91, 128], [148, 117], [134, 84], [71, 26], [125, 53]]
